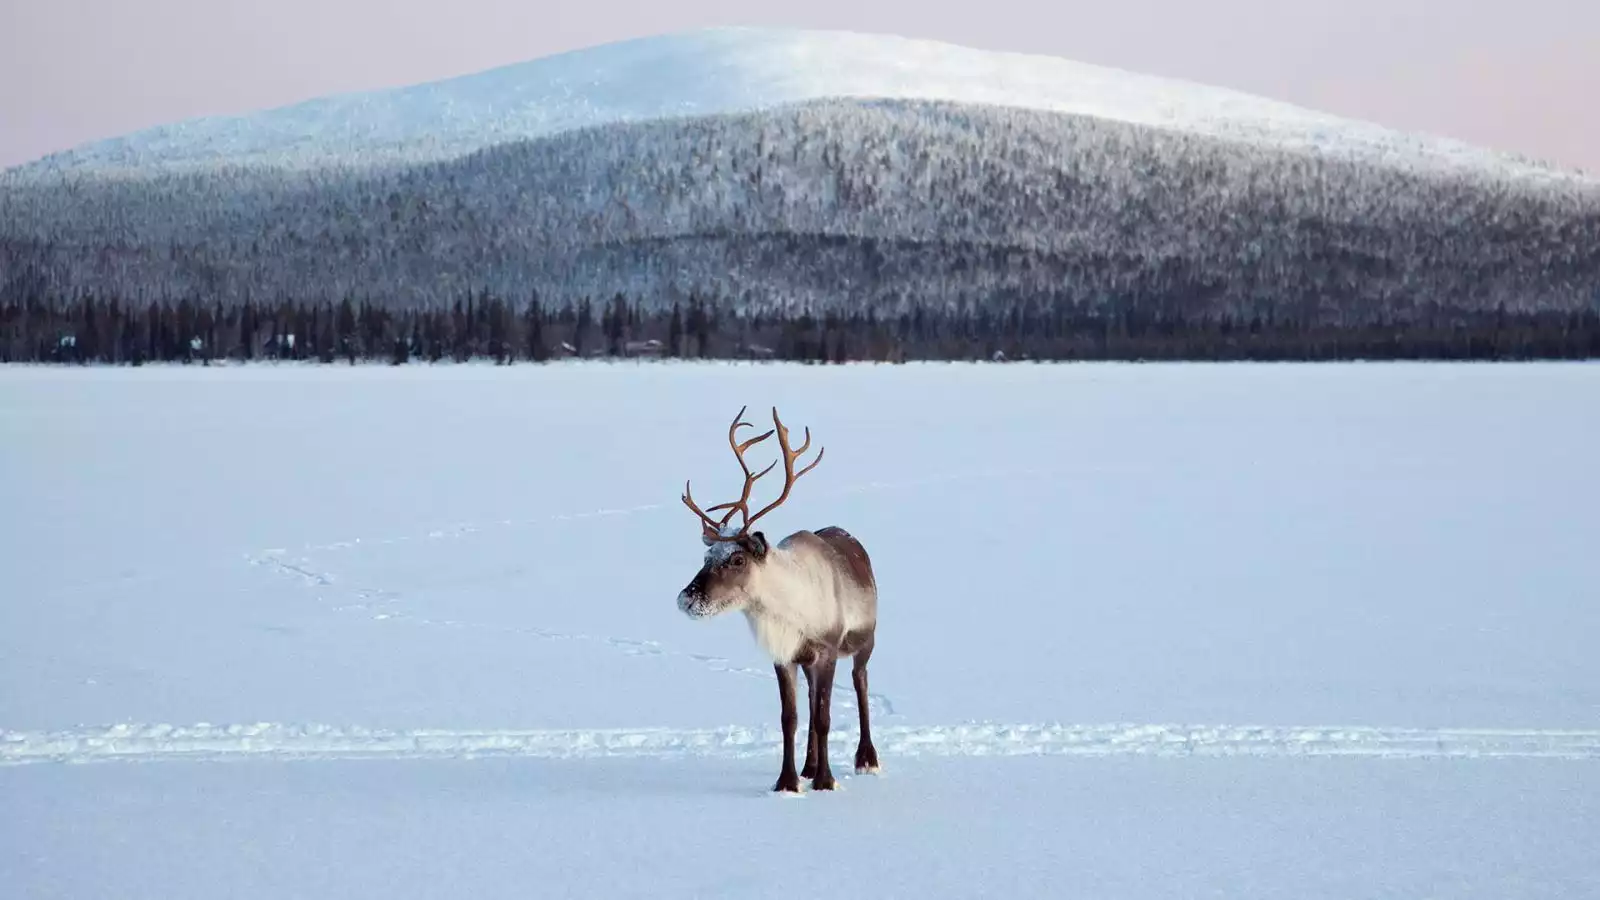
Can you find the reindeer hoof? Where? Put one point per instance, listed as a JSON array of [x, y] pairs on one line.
[[824, 782], [868, 769], [787, 784], [867, 760]]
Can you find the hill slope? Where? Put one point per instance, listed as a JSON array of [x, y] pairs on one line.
[[722, 70], [1117, 193]]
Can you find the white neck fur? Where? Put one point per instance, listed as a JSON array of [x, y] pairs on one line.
[[793, 598]]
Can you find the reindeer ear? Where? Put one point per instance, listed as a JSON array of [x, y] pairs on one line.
[[758, 544]]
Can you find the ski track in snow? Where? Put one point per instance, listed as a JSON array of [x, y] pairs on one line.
[[377, 601], [266, 741]]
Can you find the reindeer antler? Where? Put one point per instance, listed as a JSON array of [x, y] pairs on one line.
[[790, 476], [743, 503], [713, 528]]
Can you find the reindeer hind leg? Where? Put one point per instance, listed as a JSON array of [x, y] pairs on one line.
[[866, 753]]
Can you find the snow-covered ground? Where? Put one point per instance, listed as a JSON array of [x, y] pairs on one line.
[[1308, 631]]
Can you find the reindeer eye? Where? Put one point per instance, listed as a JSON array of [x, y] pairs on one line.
[[737, 560]]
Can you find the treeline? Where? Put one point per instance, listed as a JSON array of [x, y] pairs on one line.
[[93, 330]]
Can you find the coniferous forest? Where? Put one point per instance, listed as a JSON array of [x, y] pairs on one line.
[[484, 327]]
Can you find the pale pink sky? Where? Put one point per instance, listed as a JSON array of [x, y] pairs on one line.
[[1520, 76]]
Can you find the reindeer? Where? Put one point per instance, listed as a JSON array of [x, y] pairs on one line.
[[809, 599]]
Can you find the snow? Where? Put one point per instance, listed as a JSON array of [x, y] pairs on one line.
[[1127, 827], [738, 69], [1312, 631]]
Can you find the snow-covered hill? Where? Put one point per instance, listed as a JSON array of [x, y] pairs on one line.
[[724, 70], [830, 171]]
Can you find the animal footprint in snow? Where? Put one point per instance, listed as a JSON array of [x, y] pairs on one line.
[[636, 648]]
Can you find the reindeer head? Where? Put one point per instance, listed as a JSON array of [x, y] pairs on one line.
[[730, 575]]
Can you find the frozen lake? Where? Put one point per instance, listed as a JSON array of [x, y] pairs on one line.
[[1145, 631]]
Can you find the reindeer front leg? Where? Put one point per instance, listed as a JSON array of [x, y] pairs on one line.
[[788, 779], [821, 719], [809, 770]]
